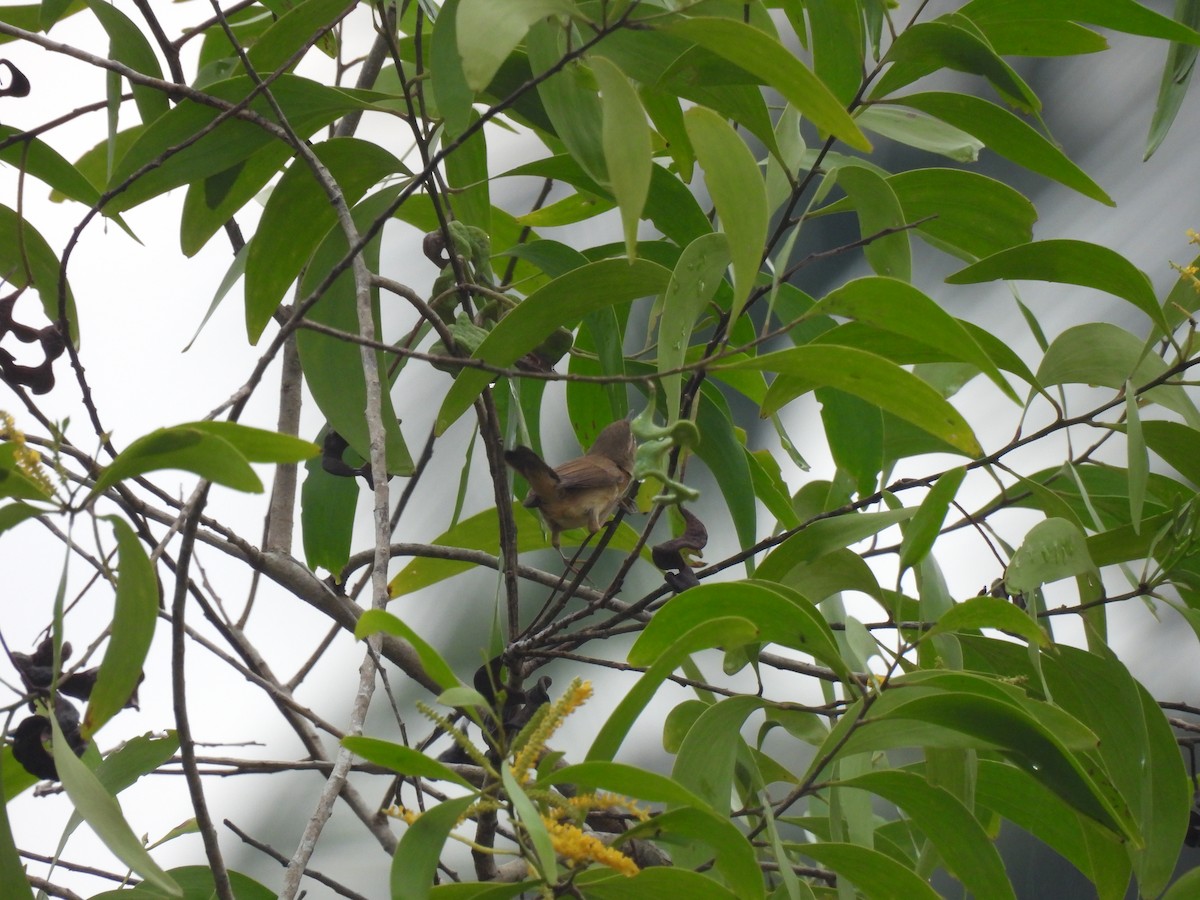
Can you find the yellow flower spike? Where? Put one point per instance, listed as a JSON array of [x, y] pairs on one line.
[[28, 460], [579, 848], [576, 695]]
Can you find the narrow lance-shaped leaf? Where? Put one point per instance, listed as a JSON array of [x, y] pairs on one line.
[[923, 530], [489, 30], [900, 308], [763, 56], [878, 210], [713, 632], [693, 283], [1007, 135], [102, 812], [134, 616], [738, 192], [626, 140], [416, 859], [1069, 262], [562, 302], [182, 447], [1176, 77], [12, 871], [1139, 457], [876, 380], [1052, 549], [964, 846], [986, 611]]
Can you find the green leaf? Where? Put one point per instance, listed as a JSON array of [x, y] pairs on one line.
[[128, 45], [626, 141], [925, 526], [308, 105], [1029, 743], [1015, 795], [902, 309], [969, 215], [1176, 77], [916, 129], [298, 216], [402, 760], [454, 96], [1139, 458], [1187, 886], [737, 190], [327, 505], [416, 859], [1137, 748], [926, 47], [621, 778], [878, 209], [670, 206], [527, 814], [825, 536], [705, 761], [693, 283], [481, 532], [124, 766], [333, 368], [1069, 262], [735, 860], [763, 56], [26, 259], [259, 445], [725, 456], [562, 302], [1007, 135], [13, 514], [779, 615], [295, 28], [880, 877], [489, 30], [837, 46], [102, 812], [658, 881], [374, 620], [12, 870], [197, 884], [989, 612], [568, 96], [135, 614], [870, 377], [1103, 354], [854, 431], [1052, 549], [184, 447], [1128, 16], [707, 634], [476, 890], [1177, 445], [467, 175], [37, 158], [965, 848]]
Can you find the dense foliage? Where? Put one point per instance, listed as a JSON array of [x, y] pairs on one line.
[[854, 727]]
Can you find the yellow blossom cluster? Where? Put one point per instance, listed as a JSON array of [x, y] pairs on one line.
[[577, 693], [585, 803], [579, 848], [28, 460]]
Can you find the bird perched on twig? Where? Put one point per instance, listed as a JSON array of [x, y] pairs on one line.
[[582, 492]]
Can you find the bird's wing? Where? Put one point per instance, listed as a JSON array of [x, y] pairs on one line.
[[591, 472]]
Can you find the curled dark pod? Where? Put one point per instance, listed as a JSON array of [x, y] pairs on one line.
[[31, 740]]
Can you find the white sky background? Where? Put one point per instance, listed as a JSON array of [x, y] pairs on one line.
[[140, 304]]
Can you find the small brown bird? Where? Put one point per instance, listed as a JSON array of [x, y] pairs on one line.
[[582, 492]]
